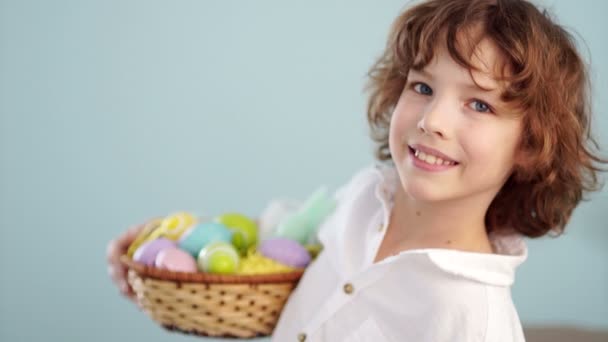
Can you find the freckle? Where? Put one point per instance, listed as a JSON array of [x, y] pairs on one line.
[[418, 213], [449, 242]]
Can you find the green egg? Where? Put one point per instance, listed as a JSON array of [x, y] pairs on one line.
[[245, 230], [218, 257]]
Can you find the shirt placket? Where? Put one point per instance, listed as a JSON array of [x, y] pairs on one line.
[[375, 233], [344, 293]]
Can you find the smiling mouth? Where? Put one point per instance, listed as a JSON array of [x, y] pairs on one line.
[[431, 159]]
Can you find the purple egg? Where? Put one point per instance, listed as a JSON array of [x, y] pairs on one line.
[[147, 252], [285, 251]]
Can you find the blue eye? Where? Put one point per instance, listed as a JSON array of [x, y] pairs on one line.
[[480, 106], [423, 88]]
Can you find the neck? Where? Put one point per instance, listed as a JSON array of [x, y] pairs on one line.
[[455, 224]]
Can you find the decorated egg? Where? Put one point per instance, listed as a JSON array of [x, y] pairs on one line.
[[143, 236], [173, 226], [245, 230], [255, 263], [218, 257], [147, 252], [175, 259], [285, 251], [203, 234]]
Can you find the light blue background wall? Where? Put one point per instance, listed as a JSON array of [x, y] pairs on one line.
[[115, 111]]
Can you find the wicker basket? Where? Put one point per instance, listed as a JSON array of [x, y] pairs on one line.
[[243, 306]]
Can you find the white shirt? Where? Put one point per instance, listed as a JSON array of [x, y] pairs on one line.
[[417, 295]]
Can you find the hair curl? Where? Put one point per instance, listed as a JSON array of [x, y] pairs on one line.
[[547, 81]]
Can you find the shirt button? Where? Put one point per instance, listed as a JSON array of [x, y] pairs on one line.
[[348, 288], [301, 337]]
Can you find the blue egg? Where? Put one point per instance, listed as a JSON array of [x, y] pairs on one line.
[[199, 236]]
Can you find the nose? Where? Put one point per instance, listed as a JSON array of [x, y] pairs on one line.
[[435, 119]]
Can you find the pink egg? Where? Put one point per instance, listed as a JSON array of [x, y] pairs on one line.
[[175, 259]]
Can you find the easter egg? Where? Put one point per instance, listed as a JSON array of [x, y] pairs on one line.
[[255, 263], [147, 252], [175, 259], [245, 230], [199, 236], [143, 236], [173, 226], [218, 257], [285, 251]]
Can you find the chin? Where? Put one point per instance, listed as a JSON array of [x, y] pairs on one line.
[[425, 195], [424, 192]]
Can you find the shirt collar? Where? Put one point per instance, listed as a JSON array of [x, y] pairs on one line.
[[510, 250]]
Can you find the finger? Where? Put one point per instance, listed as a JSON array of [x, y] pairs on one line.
[[125, 289], [112, 251], [117, 274], [128, 236], [119, 246], [131, 234]]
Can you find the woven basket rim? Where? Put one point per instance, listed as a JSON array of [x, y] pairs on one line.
[[145, 271]]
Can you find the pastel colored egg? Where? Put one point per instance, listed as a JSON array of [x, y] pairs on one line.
[[199, 236], [245, 230], [173, 226], [147, 252], [175, 259], [218, 257], [285, 251], [143, 236], [255, 263]]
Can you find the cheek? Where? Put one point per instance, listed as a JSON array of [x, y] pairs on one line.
[[492, 153], [397, 138], [403, 124]]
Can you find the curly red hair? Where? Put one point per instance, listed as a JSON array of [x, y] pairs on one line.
[[547, 82]]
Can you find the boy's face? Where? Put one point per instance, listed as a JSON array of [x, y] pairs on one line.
[[442, 108]]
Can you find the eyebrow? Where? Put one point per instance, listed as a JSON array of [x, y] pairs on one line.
[[472, 86], [422, 71]]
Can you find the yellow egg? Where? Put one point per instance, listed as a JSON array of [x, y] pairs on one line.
[[173, 226], [255, 263], [143, 236]]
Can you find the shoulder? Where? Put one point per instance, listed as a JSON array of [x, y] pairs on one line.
[[481, 312], [474, 289], [447, 308], [454, 307], [487, 311], [503, 321], [354, 199], [360, 179]]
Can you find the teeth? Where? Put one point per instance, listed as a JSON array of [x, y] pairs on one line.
[[431, 159]]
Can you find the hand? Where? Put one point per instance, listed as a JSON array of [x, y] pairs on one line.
[[117, 248]]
